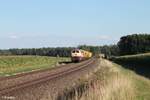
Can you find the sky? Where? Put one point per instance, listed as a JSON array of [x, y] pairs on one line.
[[63, 23]]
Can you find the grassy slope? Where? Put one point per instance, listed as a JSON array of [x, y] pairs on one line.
[[137, 60], [15, 64], [136, 55], [143, 88], [141, 64], [141, 84], [113, 82]]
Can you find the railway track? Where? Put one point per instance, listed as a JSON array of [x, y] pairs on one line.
[[20, 78], [49, 76], [29, 73]]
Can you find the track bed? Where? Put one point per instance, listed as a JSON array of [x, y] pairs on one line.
[[40, 84]]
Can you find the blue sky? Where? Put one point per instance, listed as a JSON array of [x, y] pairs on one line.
[[57, 23]]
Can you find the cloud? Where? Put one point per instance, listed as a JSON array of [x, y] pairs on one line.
[[103, 37], [13, 37]]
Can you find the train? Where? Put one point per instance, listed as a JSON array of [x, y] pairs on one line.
[[78, 55]]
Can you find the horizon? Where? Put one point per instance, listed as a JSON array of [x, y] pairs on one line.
[[68, 23]]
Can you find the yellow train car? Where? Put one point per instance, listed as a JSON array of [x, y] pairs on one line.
[[80, 55], [86, 54]]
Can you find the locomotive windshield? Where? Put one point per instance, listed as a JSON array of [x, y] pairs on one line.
[[75, 51]]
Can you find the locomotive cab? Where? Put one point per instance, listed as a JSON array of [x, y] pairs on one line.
[[76, 55]]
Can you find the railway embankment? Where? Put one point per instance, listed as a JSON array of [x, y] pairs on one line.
[[111, 82]]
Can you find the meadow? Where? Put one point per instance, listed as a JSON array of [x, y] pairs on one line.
[[139, 59], [140, 63], [11, 65]]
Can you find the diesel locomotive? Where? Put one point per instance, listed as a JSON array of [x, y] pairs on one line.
[[78, 55]]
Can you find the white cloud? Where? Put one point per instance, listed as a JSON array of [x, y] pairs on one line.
[[14, 37], [103, 37]]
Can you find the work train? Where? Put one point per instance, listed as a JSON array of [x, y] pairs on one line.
[[78, 55]]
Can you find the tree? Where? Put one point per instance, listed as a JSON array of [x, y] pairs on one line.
[[134, 44]]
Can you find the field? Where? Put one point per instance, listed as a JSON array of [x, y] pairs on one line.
[[139, 59], [10, 65], [139, 63]]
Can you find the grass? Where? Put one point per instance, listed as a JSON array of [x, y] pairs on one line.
[[113, 82], [143, 88], [139, 59], [110, 82], [140, 63], [10, 65]]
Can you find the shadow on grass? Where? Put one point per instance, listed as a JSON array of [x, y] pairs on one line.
[[64, 62], [140, 67]]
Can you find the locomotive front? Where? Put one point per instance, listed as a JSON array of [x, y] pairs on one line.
[[76, 55]]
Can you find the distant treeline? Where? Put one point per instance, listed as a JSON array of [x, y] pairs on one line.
[[108, 50], [134, 44], [130, 44], [62, 52]]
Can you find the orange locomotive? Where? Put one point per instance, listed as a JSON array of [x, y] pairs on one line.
[[79, 55]]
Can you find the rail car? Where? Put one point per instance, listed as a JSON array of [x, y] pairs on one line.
[[78, 55]]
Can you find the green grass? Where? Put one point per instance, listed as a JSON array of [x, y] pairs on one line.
[[140, 63], [141, 84], [142, 87], [139, 59], [113, 82], [10, 65]]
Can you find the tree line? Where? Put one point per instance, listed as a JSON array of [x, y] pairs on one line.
[[62, 51], [134, 44], [130, 44]]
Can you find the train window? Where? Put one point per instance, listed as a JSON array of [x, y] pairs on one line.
[[77, 51]]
